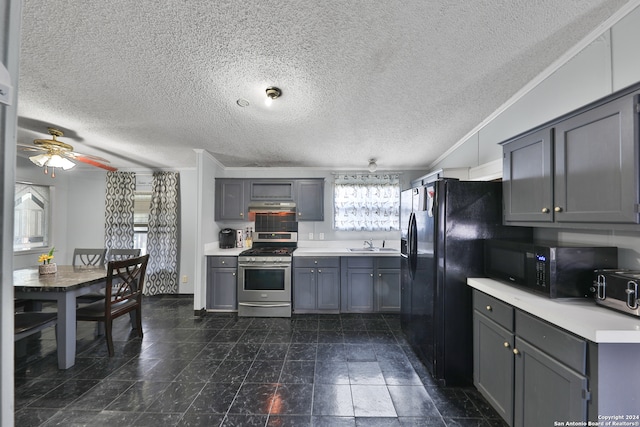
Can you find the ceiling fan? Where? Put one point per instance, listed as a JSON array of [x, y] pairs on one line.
[[56, 154]]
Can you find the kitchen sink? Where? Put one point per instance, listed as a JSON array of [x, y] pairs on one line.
[[373, 250]]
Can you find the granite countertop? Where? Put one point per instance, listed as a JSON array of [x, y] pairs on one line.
[[579, 316]]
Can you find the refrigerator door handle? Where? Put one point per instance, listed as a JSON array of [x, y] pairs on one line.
[[413, 246]]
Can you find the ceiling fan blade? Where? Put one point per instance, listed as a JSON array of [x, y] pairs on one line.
[[74, 155], [92, 162], [31, 148]]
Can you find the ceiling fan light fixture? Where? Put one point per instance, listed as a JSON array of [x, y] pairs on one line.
[[373, 166], [57, 161], [52, 160], [40, 159]]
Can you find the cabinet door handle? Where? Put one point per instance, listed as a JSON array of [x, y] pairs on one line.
[[516, 351], [545, 210], [312, 270], [371, 274], [234, 273], [319, 271], [489, 308], [222, 262], [241, 214], [506, 344], [557, 209]]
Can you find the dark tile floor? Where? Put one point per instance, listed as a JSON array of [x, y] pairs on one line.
[[310, 370]]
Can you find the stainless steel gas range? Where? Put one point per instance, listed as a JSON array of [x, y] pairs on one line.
[[264, 275]]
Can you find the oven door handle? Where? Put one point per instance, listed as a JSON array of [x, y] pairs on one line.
[[246, 304], [264, 266]]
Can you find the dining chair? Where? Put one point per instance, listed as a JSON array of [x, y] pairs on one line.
[[120, 254], [112, 255], [89, 257], [123, 294]]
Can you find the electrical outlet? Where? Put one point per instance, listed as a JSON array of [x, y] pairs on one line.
[[185, 279], [321, 236], [310, 236]]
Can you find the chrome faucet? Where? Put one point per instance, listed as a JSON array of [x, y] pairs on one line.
[[368, 243]]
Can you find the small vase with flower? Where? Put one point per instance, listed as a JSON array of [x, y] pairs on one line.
[[47, 267]]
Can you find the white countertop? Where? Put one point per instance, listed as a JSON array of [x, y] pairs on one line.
[[211, 249], [311, 249], [579, 316], [336, 251]]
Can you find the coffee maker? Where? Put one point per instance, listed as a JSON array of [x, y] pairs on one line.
[[227, 238]]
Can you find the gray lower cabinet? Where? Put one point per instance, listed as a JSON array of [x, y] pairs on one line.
[[531, 372], [370, 284], [316, 284], [493, 373], [387, 286], [546, 390], [222, 283]]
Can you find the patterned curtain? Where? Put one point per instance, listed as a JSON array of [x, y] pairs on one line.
[[367, 202], [118, 215], [163, 236]]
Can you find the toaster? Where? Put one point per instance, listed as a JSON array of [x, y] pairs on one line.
[[618, 289]]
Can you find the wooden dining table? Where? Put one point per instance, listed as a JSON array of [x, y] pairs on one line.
[[62, 287]]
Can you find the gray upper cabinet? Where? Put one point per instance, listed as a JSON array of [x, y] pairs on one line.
[[231, 199], [595, 165], [234, 195], [527, 183], [271, 190], [310, 199], [579, 170]]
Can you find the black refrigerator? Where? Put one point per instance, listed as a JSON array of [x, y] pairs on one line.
[[443, 225]]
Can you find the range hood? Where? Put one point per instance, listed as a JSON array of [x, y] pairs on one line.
[[272, 207]]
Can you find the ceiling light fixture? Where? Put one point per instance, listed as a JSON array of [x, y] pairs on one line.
[[373, 166], [272, 93], [52, 160]]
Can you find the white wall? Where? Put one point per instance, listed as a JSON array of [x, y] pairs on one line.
[[188, 231], [609, 63], [206, 230]]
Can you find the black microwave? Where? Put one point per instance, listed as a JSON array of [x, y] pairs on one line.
[[555, 271]]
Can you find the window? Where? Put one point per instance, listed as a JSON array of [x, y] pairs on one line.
[[141, 207], [366, 202], [32, 215]]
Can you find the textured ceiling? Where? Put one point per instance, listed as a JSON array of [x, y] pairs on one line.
[[143, 83]]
